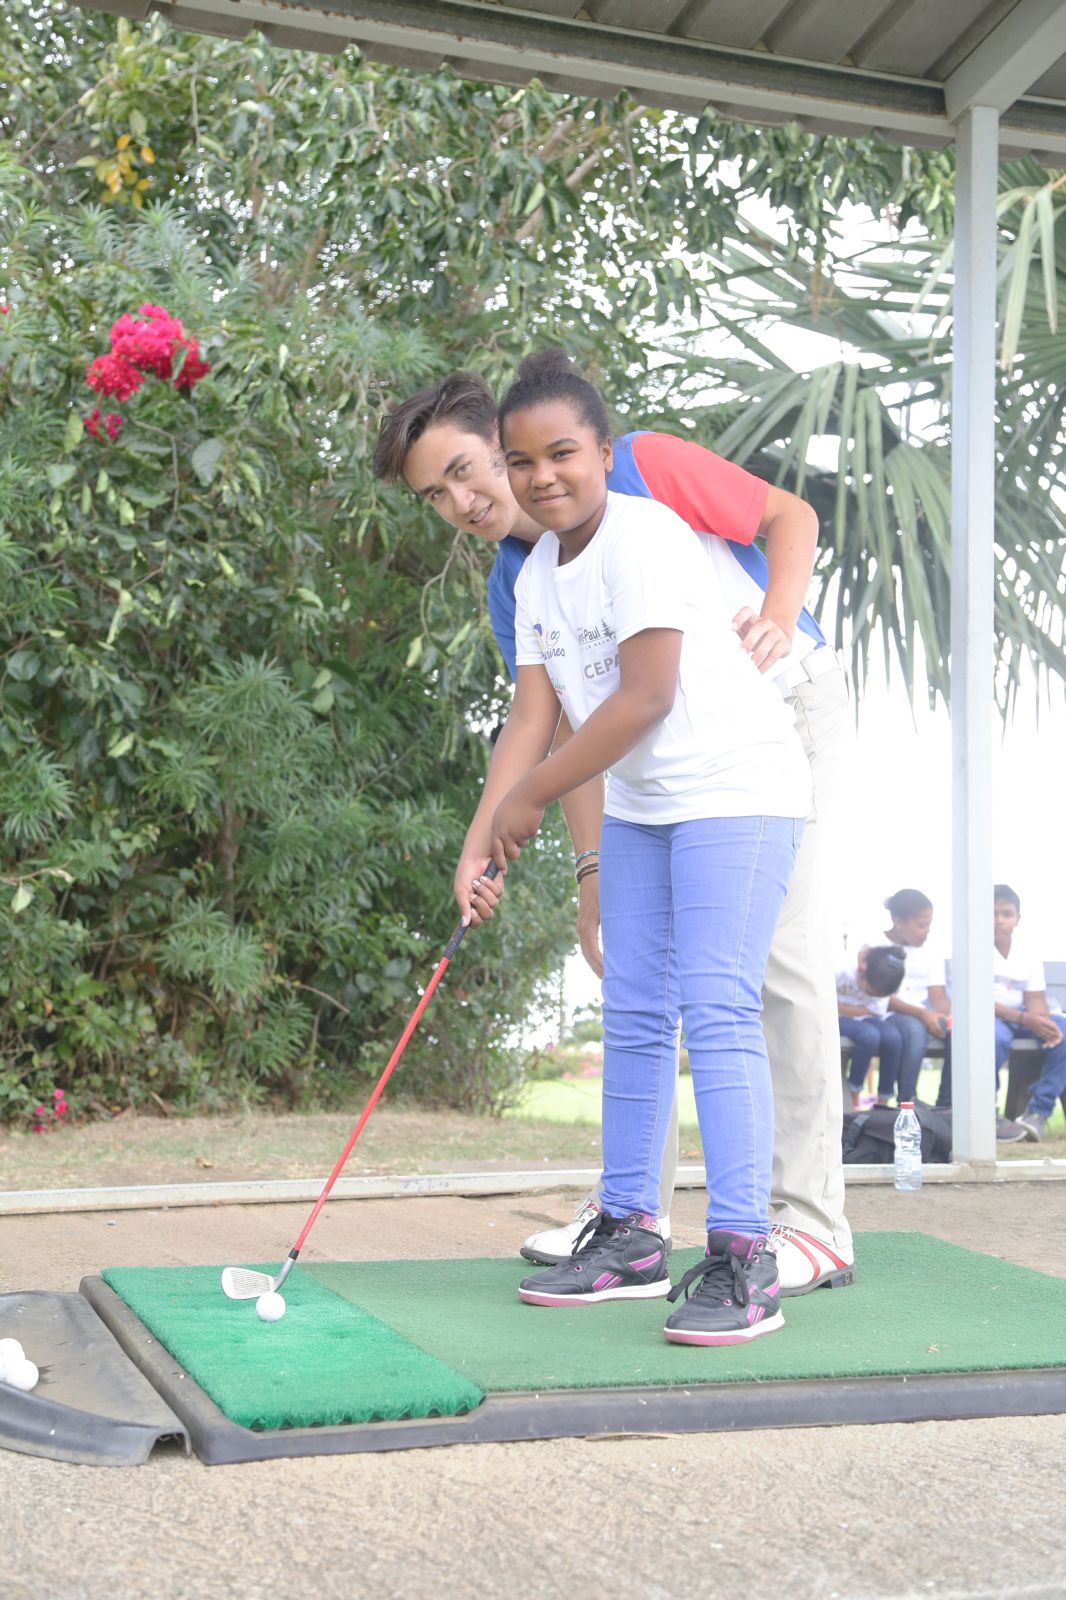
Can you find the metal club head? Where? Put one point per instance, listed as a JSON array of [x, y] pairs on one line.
[[241, 1283]]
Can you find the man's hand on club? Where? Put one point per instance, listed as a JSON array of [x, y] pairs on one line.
[[476, 896], [518, 817], [764, 639]]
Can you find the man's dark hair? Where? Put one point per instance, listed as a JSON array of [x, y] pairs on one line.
[[885, 965], [462, 399], [551, 375], [908, 903], [1003, 891]]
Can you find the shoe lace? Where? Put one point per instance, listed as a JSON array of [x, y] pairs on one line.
[[781, 1234], [724, 1276], [600, 1230]]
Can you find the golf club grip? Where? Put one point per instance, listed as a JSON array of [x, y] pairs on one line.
[[375, 1093], [491, 871]]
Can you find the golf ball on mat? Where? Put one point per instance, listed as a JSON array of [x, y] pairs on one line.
[[19, 1374], [270, 1307], [11, 1350]]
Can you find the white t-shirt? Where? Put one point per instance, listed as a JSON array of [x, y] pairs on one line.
[[923, 969], [728, 747], [740, 589], [851, 993], [1016, 974]]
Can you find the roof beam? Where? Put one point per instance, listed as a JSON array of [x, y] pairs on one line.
[[1028, 42], [599, 55], [496, 43]]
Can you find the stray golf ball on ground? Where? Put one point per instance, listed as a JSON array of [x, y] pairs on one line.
[[19, 1373], [270, 1307]]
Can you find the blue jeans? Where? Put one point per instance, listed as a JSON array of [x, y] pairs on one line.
[[1052, 1080], [688, 911], [913, 1038], [872, 1036]]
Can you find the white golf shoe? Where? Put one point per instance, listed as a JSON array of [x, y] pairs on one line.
[[554, 1245], [805, 1262]]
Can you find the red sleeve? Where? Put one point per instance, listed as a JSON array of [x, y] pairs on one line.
[[711, 494]]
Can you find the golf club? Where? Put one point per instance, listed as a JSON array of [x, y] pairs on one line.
[[241, 1283]]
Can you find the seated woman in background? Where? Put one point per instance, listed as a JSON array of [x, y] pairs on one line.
[[919, 1010], [864, 988]]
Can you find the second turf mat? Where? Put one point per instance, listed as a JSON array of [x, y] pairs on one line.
[[918, 1306]]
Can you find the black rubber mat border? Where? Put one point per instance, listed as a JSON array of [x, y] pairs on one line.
[[598, 1413]]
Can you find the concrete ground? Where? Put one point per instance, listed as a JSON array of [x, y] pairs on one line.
[[972, 1509]]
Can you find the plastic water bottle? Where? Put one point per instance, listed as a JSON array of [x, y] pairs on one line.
[[907, 1136]]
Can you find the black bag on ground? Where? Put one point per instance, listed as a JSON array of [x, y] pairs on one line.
[[868, 1135]]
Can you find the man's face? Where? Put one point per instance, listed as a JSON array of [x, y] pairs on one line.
[[1006, 918], [463, 478]]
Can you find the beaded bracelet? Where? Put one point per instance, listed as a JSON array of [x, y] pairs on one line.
[[584, 856]]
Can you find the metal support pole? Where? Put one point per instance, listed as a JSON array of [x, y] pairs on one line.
[[972, 569]]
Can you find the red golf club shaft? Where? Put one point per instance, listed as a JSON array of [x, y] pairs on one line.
[[438, 972]]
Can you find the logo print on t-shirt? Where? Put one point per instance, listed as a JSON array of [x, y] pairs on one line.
[[549, 642]]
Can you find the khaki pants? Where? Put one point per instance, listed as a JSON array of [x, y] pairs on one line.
[[799, 998]]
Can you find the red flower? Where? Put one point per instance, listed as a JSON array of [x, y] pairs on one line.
[[112, 374], [111, 423], [4, 309], [147, 342], [194, 369], [151, 344]]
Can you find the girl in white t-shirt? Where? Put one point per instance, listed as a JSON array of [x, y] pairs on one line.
[[920, 1010], [620, 622]]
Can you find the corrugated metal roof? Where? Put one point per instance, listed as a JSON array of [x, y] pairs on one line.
[[893, 66]]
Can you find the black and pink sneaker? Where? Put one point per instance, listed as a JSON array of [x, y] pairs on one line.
[[623, 1259], [731, 1296]]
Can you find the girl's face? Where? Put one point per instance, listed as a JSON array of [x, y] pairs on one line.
[[914, 930], [557, 468]]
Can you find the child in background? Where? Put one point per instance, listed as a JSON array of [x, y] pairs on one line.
[[620, 622], [864, 987], [920, 1009]]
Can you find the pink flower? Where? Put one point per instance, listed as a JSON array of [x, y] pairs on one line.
[[39, 1111], [4, 308], [112, 422], [112, 374], [92, 422]]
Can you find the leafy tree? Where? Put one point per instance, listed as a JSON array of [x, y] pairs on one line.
[[245, 694]]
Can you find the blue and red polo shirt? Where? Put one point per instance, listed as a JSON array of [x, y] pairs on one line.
[[712, 495]]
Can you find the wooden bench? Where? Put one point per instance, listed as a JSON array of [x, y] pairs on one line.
[[1024, 1066]]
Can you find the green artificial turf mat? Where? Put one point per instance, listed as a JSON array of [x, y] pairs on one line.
[[326, 1361], [917, 1306]]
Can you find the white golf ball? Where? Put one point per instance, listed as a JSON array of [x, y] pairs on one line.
[[11, 1350], [270, 1307], [21, 1375]]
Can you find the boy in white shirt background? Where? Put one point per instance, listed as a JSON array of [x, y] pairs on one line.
[[1022, 1011]]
